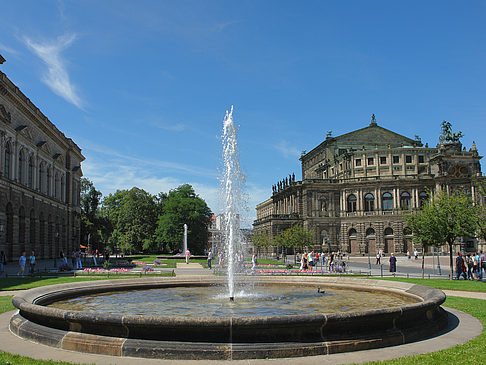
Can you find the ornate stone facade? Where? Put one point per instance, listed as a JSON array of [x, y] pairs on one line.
[[356, 186], [40, 171]]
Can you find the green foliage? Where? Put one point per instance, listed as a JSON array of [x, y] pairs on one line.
[[182, 205], [132, 214], [443, 219], [92, 223], [295, 237]]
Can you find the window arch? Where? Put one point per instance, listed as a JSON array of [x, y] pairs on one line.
[[370, 232], [369, 202], [387, 201], [352, 233], [56, 186], [42, 173], [48, 181], [405, 200], [31, 172], [352, 203], [388, 231], [423, 198], [8, 160], [21, 167]]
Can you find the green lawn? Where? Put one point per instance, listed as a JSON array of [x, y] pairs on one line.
[[471, 352], [467, 285]]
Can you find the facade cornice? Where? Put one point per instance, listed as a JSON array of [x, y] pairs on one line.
[[9, 90]]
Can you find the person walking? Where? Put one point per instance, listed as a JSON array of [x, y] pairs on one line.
[[460, 267], [253, 263], [482, 264], [393, 264], [3, 262], [378, 258], [210, 258], [311, 260], [32, 263], [188, 256], [22, 261]]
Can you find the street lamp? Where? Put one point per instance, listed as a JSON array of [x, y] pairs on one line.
[[368, 249]]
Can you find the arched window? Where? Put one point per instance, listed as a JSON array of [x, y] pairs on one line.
[[56, 186], [388, 231], [21, 167], [352, 203], [48, 181], [370, 232], [8, 160], [405, 200], [369, 202], [62, 189], [22, 228], [42, 173], [387, 200], [423, 198], [32, 224], [31, 172]]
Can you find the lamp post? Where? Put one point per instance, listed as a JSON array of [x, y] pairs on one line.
[[368, 249], [438, 261]]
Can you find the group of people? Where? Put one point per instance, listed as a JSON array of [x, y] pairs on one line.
[[23, 261], [470, 266], [309, 260]]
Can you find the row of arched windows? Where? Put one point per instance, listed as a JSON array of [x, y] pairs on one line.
[[386, 201], [45, 245], [48, 183]]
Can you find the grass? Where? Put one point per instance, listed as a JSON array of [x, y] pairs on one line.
[[471, 352], [444, 284]]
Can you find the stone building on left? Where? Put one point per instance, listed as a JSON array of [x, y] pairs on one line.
[[40, 172]]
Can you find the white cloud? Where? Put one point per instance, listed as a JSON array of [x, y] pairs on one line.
[[287, 150], [111, 170], [7, 49], [56, 76]]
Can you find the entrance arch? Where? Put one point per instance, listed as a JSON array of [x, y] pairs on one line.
[[389, 243]]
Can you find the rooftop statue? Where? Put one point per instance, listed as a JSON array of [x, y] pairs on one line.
[[447, 136]]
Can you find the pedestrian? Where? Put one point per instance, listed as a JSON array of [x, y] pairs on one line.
[[469, 266], [460, 267], [22, 261], [3, 262], [220, 259], [482, 264], [323, 258], [311, 260], [254, 263], [305, 260], [188, 256], [32, 263], [210, 258], [378, 258], [408, 255], [475, 260], [415, 253], [77, 255], [331, 261], [393, 264]]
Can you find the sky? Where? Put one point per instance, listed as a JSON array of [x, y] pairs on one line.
[[142, 86]]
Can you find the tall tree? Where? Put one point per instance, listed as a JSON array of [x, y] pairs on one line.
[[182, 205], [133, 215], [445, 218], [91, 222]]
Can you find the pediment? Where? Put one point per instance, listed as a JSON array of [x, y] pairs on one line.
[[5, 115], [43, 145], [25, 132], [375, 135]]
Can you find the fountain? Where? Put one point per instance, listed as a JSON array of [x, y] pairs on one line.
[[194, 322], [232, 180]]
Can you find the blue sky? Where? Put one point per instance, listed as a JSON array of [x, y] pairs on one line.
[[142, 86]]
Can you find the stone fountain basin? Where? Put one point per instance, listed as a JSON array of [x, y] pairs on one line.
[[174, 337]]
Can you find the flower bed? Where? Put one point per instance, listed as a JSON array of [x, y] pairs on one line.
[[105, 271]]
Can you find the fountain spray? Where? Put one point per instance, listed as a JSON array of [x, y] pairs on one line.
[[232, 181]]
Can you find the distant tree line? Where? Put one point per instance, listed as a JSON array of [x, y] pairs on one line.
[[134, 221]]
